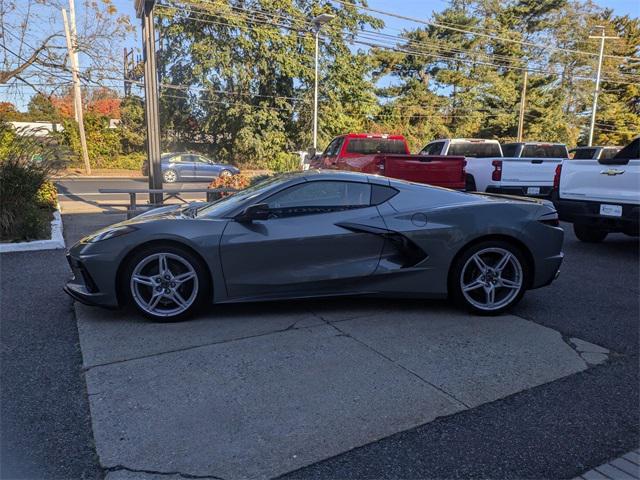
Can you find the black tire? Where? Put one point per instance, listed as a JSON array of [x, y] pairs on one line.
[[202, 296], [470, 183], [589, 234], [456, 294], [170, 176]]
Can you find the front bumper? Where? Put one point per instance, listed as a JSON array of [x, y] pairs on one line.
[[521, 191], [84, 288], [584, 212]]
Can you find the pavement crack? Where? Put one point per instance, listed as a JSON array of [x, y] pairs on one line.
[[156, 472], [193, 347], [342, 333]]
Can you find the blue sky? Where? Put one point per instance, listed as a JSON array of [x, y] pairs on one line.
[[424, 8]]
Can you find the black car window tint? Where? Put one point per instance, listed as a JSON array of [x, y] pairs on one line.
[[509, 150], [584, 153], [432, 149], [325, 194]]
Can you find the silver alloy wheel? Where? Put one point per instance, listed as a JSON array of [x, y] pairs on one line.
[[225, 173], [170, 176], [491, 278], [164, 284]]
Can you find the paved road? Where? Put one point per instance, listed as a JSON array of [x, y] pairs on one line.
[[44, 412], [86, 189]]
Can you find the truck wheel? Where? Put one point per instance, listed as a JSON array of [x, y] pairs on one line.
[[589, 234], [470, 183]]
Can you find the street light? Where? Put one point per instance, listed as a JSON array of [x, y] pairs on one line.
[[318, 22]]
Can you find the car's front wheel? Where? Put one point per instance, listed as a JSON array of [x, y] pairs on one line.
[[226, 173], [489, 277], [589, 234], [166, 283]]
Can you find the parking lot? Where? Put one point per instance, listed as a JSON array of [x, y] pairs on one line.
[[257, 391]]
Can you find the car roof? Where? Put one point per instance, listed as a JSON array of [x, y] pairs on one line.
[[339, 175], [382, 136], [536, 143]]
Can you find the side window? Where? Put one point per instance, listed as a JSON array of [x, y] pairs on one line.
[[200, 159], [319, 197], [432, 148], [188, 158], [334, 147]]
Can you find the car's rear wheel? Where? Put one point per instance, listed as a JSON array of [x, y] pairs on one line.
[[589, 234], [226, 173], [489, 277], [166, 283], [170, 176]]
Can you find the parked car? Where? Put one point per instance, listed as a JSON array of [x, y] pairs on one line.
[[600, 196], [487, 170], [320, 233], [184, 167], [593, 153], [388, 155]]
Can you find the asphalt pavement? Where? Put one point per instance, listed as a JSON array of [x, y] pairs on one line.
[[44, 413], [86, 190]]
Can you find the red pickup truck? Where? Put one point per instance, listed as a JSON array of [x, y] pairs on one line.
[[388, 155]]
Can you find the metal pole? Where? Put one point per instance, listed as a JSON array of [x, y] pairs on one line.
[[315, 95], [77, 95], [595, 93], [151, 103], [523, 97]]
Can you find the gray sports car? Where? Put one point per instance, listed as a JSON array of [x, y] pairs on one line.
[[317, 234]]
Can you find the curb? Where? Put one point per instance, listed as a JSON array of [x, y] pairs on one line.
[[55, 242], [97, 177]]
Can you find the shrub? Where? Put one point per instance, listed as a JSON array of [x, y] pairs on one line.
[[26, 198], [237, 182], [132, 161]]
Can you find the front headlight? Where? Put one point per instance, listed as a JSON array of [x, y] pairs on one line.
[[109, 233]]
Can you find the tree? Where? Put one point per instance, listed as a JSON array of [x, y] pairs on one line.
[[247, 72], [33, 49], [41, 108]]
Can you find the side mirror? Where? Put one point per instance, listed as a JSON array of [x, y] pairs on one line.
[[259, 211]]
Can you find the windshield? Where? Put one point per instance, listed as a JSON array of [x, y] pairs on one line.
[[477, 150], [223, 206]]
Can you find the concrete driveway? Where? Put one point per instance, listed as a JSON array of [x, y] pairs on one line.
[[255, 391]]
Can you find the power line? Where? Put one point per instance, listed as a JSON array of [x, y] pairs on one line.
[[460, 30], [347, 38]]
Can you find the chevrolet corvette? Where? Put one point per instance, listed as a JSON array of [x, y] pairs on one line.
[[317, 234]]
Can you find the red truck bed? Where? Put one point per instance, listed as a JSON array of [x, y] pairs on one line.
[[388, 155]]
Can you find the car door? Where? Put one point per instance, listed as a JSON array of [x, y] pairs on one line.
[[185, 165], [330, 156], [308, 246], [205, 168]]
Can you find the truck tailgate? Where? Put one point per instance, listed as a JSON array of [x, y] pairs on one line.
[[435, 170], [529, 171], [590, 180]]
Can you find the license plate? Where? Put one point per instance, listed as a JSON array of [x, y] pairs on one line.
[[611, 210], [533, 190]]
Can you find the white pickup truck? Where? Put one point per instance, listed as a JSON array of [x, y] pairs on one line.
[[525, 168], [600, 196]]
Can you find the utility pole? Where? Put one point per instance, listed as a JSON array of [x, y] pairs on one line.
[[77, 95], [602, 38], [317, 23], [144, 11], [523, 97]]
